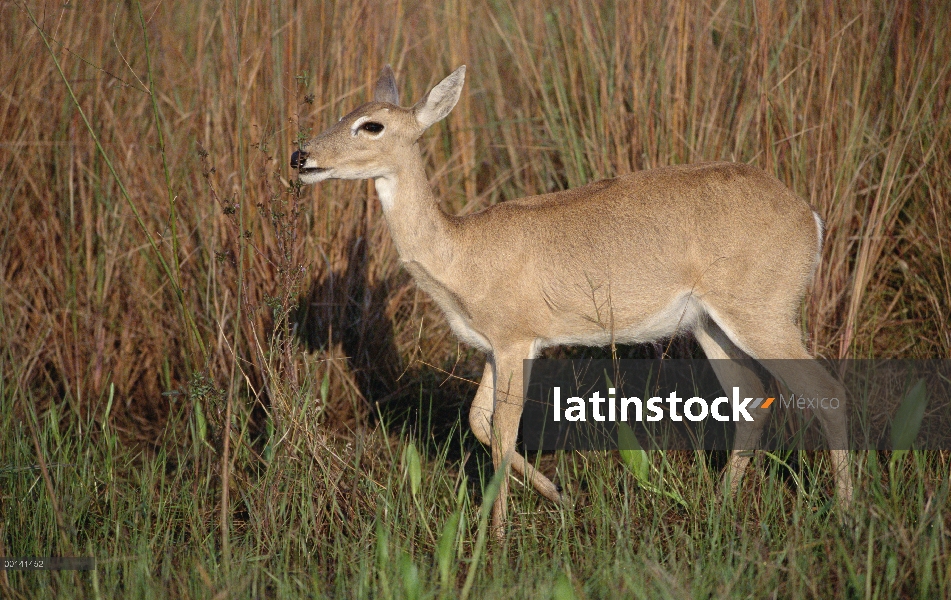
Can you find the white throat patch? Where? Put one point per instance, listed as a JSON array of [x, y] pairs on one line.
[[386, 190]]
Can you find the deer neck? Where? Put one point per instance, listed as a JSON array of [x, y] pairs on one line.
[[420, 229]]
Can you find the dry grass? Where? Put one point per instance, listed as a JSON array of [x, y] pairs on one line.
[[848, 105]]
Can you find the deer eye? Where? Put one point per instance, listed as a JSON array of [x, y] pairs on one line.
[[372, 127]]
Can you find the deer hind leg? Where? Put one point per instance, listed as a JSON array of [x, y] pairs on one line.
[[807, 377], [480, 420], [732, 368], [781, 351]]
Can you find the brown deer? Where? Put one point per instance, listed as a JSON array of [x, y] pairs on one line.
[[722, 250]]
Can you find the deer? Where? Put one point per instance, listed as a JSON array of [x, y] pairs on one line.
[[721, 250]]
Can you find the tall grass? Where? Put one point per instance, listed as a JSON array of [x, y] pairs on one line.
[[273, 320]]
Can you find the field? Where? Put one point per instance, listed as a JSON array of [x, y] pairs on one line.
[[222, 384]]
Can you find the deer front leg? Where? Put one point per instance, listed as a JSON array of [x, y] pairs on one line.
[[480, 420], [506, 414]]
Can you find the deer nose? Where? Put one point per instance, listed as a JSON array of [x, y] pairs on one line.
[[297, 159]]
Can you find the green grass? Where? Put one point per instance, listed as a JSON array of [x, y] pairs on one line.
[[352, 519]]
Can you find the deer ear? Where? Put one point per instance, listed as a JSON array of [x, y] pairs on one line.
[[440, 100], [386, 87]]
